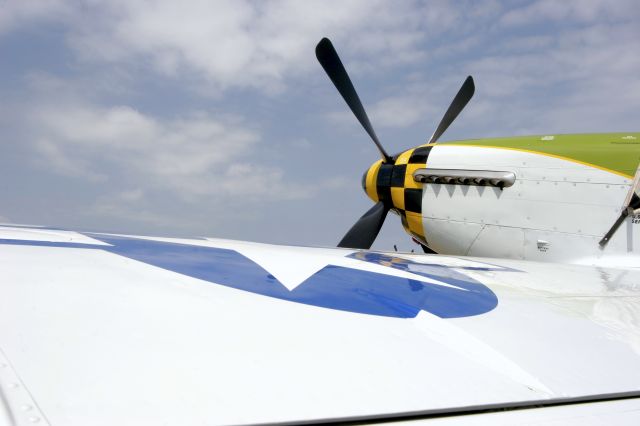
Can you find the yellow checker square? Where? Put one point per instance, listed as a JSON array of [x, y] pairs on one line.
[[414, 220], [397, 198], [408, 177], [404, 157], [372, 177]]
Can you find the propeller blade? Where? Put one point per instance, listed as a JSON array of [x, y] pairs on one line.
[[330, 61], [366, 229], [457, 105]]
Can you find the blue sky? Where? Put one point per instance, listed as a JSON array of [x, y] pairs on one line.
[[213, 118]]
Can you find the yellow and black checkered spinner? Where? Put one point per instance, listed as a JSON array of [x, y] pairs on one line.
[[393, 184]]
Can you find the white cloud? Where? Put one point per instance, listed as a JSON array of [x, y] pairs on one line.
[[226, 44], [419, 102], [129, 205], [246, 44], [191, 155], [16, 14], [400, 111], [583, 11]]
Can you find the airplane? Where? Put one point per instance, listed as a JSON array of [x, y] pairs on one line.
[[106, 329], [560, 198]]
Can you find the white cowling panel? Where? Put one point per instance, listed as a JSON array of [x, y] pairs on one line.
[[552, 199]]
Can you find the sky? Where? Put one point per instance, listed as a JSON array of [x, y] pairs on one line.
[[213, 118]]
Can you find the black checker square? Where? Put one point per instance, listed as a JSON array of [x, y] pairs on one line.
[[384, 175], [413, 200], [397, 175], [384, 193], [383, 182], [420, 155]]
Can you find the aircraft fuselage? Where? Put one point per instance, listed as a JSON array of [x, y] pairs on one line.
[[546, 197]]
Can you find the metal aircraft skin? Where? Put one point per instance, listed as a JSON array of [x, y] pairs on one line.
[[526, 323], [565, 192], [111, 329]]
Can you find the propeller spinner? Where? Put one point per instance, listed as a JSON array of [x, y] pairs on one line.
[[385, 174]]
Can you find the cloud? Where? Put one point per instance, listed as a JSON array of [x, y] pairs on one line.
[[193, 155], [419, 102], [399, 111], [243, 44], [238, 44], [129, 205], [583, 11], [17, 14]]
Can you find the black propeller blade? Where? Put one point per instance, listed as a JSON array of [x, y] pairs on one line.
[[330, 61], [366, 229], [457, 105]]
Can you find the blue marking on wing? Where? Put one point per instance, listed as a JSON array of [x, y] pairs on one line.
[[332, 287], [472, 298]]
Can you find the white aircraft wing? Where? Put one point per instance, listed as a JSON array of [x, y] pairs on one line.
[[99, 329]]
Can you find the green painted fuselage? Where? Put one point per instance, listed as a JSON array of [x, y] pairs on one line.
[[617, 152]]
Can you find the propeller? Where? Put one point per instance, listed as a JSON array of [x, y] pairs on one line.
[[461, 100], [330, 61], [364, 232]]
